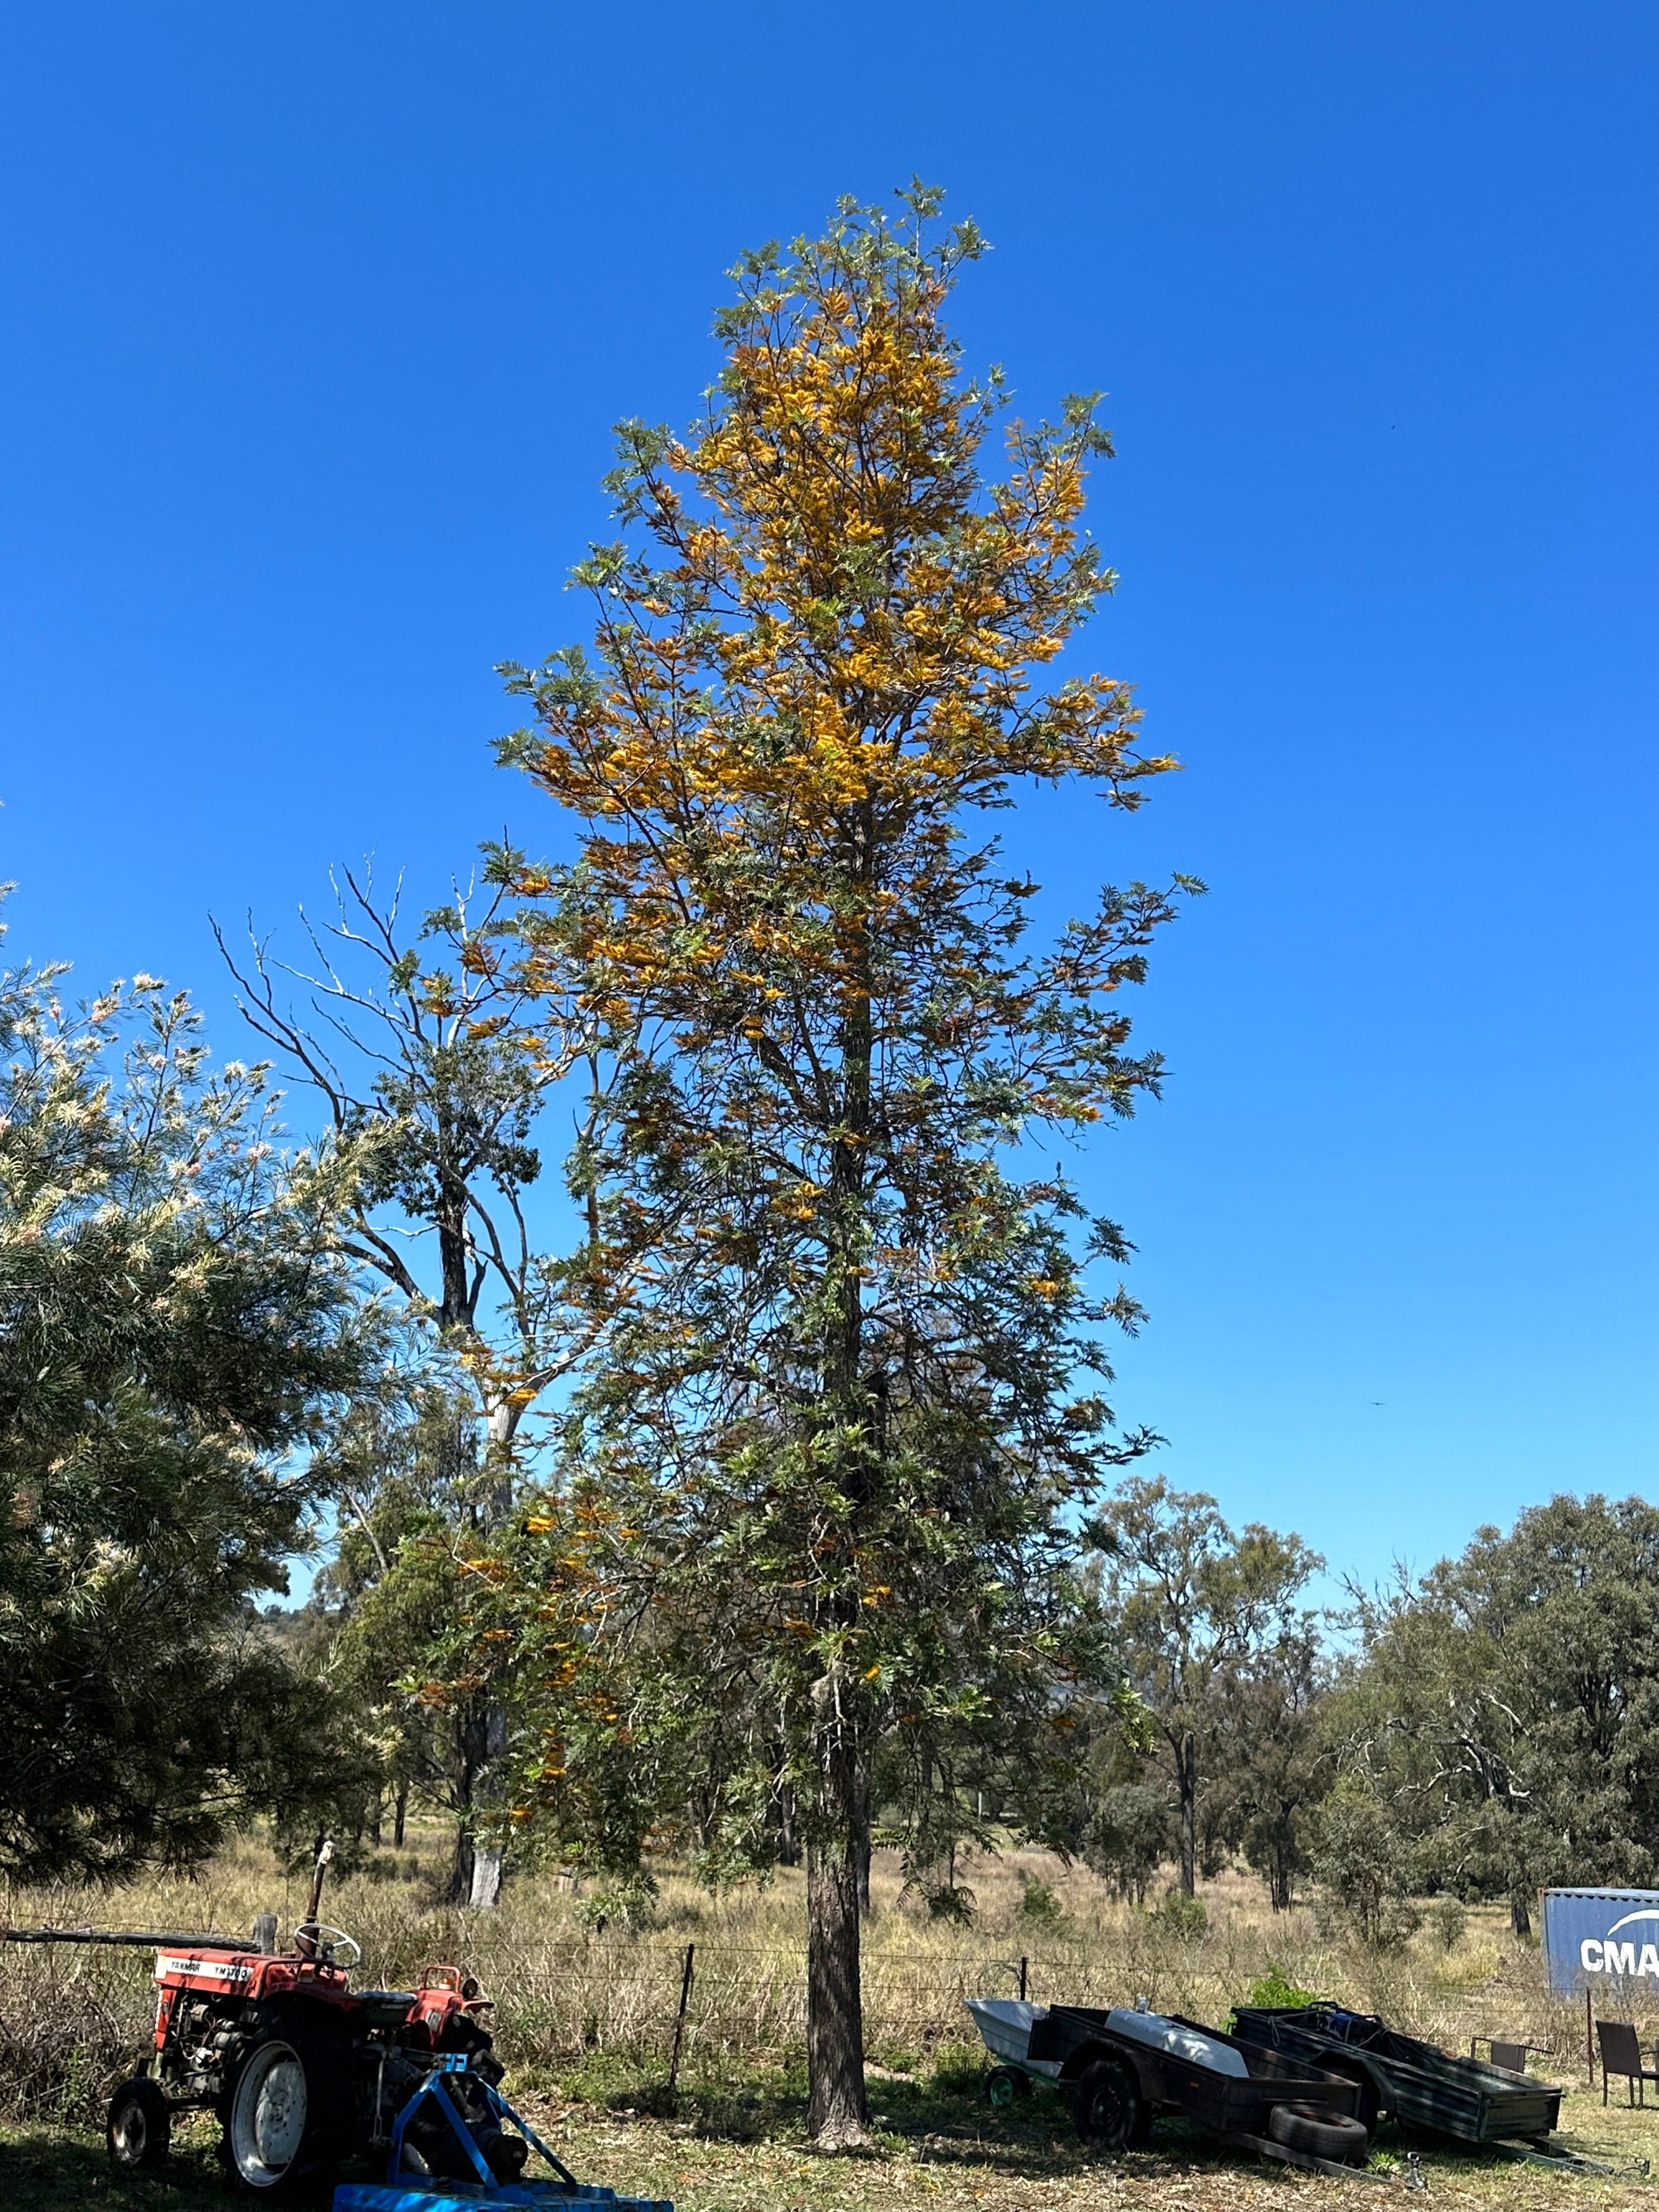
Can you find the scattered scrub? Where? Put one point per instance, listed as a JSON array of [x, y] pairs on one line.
[[1038, 1901], [1448, 1918], [1185, 1917]]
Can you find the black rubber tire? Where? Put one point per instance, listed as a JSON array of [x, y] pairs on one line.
[[1107, 2108], [274, 2162], [1320, 2134], [139, 2128]]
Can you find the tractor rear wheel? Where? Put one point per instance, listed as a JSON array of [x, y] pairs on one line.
[[286, 2114], [140, 2124]]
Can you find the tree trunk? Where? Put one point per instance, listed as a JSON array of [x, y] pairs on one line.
[[480, 1867], [473, 1752], [1520, 1917], [460, 1872], [863, 1849], [835, 2007], [488, 1865], [788, 1841], [1186, 1799], [489, 1859], [455, 1310], [399, 1814], [834, 2004]]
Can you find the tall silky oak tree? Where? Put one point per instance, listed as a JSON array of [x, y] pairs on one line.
[[840, 1410]]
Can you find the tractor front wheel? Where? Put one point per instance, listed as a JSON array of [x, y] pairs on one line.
[[140, 2124], [285, 2114]]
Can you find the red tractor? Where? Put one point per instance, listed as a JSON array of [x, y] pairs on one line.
[[301, 2070]]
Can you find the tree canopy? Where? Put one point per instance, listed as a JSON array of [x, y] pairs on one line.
[[1504, 1711], [1208, 1625], [174, 1330]]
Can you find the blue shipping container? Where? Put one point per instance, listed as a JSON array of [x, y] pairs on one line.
[[1600, 1939]]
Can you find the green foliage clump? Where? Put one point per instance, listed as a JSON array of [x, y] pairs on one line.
[[1366, 1866], [1227, 1665], [1038, 1901], [1123, 1830], [1447, 1919], [1275, 1990], [1185, 1917], [1505, 1711], [175, 1325], [952, 1901]]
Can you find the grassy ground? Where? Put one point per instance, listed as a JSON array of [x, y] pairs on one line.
[[586, 2015], [742, 2151]]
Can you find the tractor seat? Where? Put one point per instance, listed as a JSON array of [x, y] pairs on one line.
[[385, 2008]]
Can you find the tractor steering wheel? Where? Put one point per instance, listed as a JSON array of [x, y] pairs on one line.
[[324, 1942]]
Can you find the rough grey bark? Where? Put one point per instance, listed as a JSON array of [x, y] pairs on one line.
[[835, 2008]]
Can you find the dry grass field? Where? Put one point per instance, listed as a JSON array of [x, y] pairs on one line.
[[585, 2018]]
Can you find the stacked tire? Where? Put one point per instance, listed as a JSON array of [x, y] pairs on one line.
[[1317, 2134]]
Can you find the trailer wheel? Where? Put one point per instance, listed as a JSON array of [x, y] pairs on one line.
[[1368, 2111], [1005, 2085], [140, 2124], [1320, 2134], [284, 2115], [1107, 2109]]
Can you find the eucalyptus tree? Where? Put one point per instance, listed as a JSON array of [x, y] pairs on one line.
[[1504, 1709], [1198, 1610], [439, 1061]]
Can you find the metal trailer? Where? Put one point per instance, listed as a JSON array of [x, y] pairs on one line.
[[1121, 2069], [1414, 2083]]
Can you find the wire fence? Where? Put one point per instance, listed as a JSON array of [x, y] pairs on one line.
[[73, 2019]]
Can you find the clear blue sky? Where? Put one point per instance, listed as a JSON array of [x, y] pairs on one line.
[[316, 318]]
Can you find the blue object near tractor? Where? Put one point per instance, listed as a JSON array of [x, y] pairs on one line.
[[433, 2132]]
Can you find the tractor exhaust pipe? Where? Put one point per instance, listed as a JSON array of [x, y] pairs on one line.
[[305, 1936]]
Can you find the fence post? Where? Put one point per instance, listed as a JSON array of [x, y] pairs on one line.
[[1023, 1965], [679, 2020]]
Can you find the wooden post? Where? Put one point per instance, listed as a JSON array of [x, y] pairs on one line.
[[679, 2022], [1589, 2038], [1022, 1966]]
